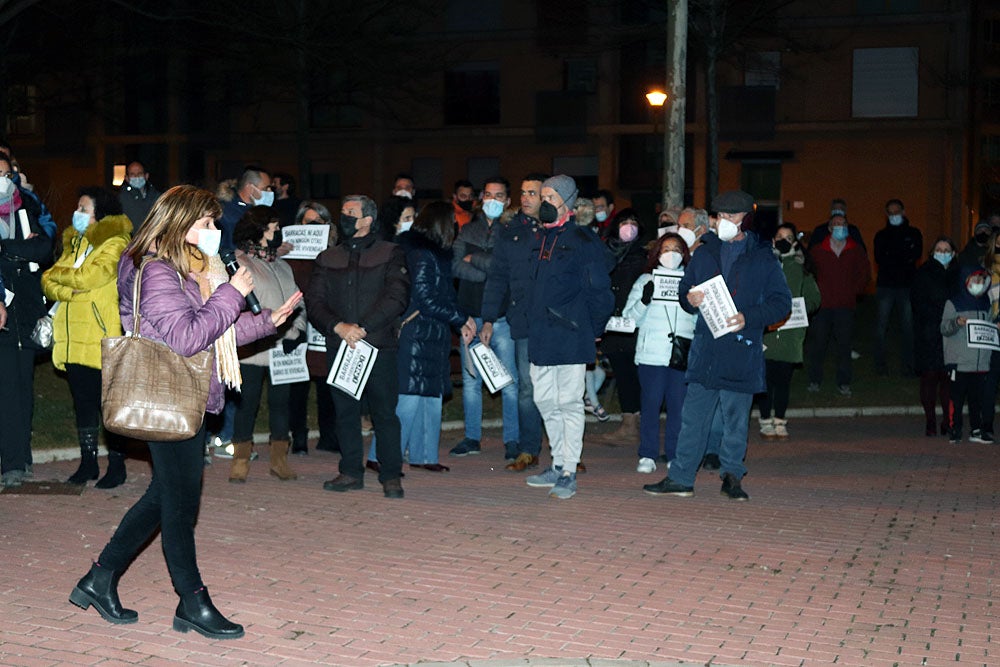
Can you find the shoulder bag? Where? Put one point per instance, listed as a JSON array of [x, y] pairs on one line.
[[148, 391], [680, 347]]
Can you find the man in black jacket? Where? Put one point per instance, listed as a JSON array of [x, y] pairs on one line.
[[898, 248], [357, 292]]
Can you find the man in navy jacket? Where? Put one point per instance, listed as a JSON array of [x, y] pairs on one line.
[[725, 372]]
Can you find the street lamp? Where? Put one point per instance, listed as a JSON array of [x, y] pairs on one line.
[[656, 98]]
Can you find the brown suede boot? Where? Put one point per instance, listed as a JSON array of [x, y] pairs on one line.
[[279, 461], [626, 435], [241, 462]]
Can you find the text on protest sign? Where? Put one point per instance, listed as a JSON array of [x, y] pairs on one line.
[[351, 368], [717, 306], [666, 284], [307, 240], [495, 375], [982, 335], [287, 368]]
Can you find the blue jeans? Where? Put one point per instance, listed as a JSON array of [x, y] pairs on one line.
[[661, 386], [422, 416], [887, 298], [699, 410], [226, 421], [529, 420], [714, 434], [472, 385]]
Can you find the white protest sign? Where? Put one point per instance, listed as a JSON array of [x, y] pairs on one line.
[[666, 284], [315, 341], [307, 240], [717, 306], [22, 216], [495, 375], [982, 335], [8, 296], [620, 325], [351, 368], [799, 319], [287, 368]]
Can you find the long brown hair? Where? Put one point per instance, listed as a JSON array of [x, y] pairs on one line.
[[164, 231]]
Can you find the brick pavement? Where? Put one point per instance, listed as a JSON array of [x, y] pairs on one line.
[[864, 543]]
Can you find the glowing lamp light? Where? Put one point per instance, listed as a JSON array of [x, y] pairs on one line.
[[656, 98], [119, 175]]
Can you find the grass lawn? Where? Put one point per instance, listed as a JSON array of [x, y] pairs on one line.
[[54, 424]]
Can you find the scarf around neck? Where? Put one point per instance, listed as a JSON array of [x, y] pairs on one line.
[[210, 273]]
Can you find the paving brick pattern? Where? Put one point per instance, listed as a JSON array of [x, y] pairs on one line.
[[864, 543]]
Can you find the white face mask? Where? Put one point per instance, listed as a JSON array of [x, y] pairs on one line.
[[403, 193], [266, 198], [405, 226], [671, 259], [978, 289], [6, 187], [728, 230], [209, 240], [687, 235]]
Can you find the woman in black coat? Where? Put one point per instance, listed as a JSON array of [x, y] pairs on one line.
[[425, 338], [627, 244], [931, 287]]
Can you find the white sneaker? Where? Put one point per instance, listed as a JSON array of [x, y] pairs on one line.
[[646, 465]]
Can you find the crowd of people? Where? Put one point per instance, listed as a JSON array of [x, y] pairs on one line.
[[698, 315]]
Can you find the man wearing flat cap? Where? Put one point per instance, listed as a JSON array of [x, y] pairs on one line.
[[724, 373], [570, 304]]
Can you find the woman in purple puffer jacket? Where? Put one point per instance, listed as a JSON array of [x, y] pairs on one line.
[[188, 302]]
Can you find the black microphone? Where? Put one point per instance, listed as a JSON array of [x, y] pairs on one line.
[[232, 266]]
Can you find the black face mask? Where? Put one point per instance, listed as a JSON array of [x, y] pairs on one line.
[[548, 213], [982, 238], [465, 205], [348, 225], [784, 246]]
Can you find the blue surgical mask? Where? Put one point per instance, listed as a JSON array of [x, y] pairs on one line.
[[839, 233], [81, 221], [601, 216], [209, 241], [266, 198], [896, 220], [944, 258], [492, 208], [137, 182]]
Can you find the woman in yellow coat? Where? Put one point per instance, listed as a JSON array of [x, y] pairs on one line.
[[83, 281]]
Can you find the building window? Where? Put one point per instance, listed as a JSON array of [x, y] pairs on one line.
[[763, 68], [22, 118], [324, 185], [472, 95], [885, 83], [888, 6], [481, 168]]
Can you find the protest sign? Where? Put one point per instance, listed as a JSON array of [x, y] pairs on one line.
[[307, 240], [666, 284], [799, 319], [620, 325], [982, 334], [717, 306], [495, 375], [315, 341], [287, 368], [351, 368]]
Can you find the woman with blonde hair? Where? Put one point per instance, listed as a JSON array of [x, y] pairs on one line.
[[188, 303]]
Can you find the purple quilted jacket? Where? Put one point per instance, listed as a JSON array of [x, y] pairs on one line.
[[176, 315]]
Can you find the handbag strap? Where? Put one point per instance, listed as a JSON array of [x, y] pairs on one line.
[[136, 291]]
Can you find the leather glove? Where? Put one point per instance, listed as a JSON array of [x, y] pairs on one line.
[[289, 344], [647, 293]]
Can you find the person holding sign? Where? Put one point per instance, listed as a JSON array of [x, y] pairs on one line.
[[724, 373], [969, 339], [662, 324], [273, 284], [783, 341], [358, 291]]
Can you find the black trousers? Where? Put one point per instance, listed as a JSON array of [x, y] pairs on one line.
[[298, 401], [827, 323], [935, 386], [966, 386], [381, 392], [779, 388], [248, 404], [85, 387], [169, 504], [621, 356], [17, 405]]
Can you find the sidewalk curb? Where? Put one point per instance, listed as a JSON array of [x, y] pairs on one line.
[[71, 453]]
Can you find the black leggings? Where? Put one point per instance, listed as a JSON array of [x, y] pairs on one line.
[[248, 403], [169, 504], [85, 387], [779, 388]]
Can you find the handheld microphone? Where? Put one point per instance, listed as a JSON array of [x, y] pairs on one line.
[[228, 258]]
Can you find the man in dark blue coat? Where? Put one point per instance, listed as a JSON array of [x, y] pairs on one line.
[[570, 304], [725, 372]]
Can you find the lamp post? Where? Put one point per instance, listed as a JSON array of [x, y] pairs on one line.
[[657, 98]]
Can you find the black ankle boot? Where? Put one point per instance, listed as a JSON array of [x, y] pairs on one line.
[[88, 469], [115, 476], [196, 612], [99, 589]]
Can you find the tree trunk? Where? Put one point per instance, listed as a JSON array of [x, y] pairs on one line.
[[673, 137]]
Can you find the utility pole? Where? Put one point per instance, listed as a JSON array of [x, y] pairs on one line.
[[673, 131]]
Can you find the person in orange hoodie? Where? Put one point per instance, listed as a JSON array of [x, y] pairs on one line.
[[462, 201], [842, 272]]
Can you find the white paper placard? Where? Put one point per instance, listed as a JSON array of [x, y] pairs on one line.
[[307, 240], [315, 340], [981, 334], [717, 307], [621, 325], [351, 368], [22, 215], [287, 368], [495, 375], [8, 296], [666, 284], [799, 319]]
